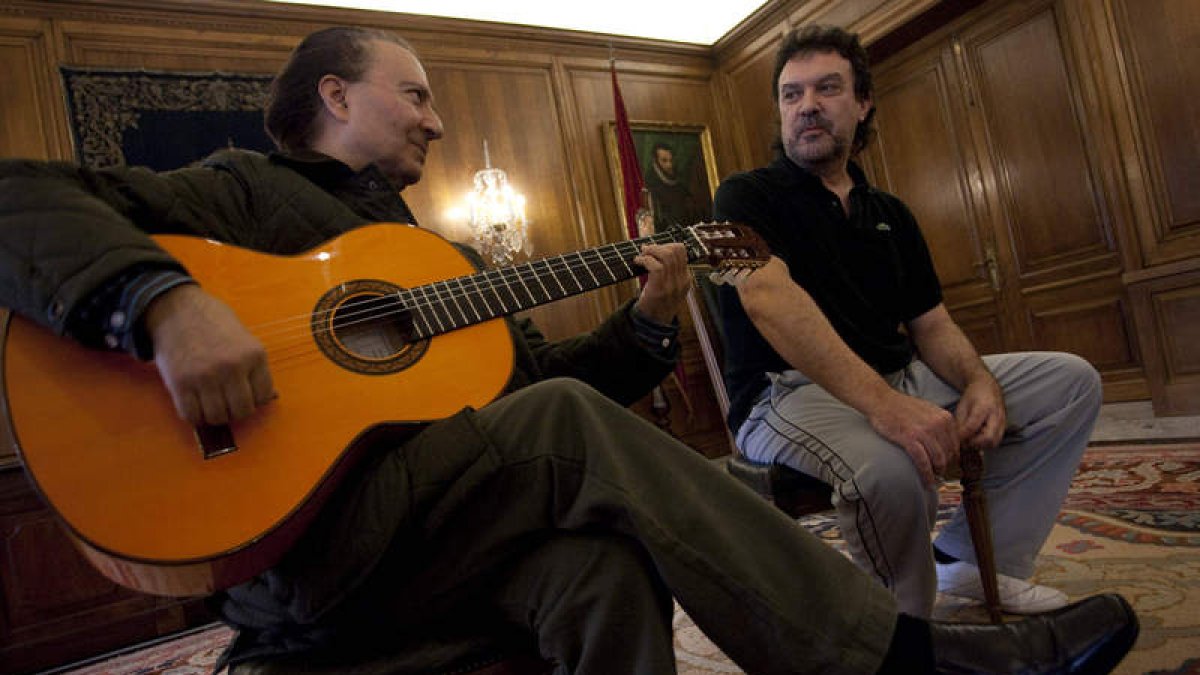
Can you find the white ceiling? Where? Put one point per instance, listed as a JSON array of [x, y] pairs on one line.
[[693, 21]]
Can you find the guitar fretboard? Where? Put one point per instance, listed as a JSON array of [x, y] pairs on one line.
[[458, 302]]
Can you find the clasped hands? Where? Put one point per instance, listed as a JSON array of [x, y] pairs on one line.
[[932, 436]]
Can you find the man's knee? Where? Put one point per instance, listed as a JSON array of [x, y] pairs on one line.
[[1081, 372], [890, 482], [560, 416], [1074, 377], [560, 393]]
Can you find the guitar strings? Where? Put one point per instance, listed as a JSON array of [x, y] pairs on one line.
[[289, 354], [284, 353], [515, 280], [474, 286]]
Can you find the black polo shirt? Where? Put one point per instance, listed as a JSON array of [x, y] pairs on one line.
[[869, 272]]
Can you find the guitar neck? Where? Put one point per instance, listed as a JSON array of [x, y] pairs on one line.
[[459, 302]]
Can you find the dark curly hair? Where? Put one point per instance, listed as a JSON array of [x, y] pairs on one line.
[[831, 39], [293, 100]]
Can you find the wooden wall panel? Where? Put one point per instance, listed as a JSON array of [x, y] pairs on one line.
[[1092, 317], [1044, 176], [755, 111], [984, 332], [1168, 312], [104, 45], [34, 128], [921, 154], [1161, 46], [1181, 307]]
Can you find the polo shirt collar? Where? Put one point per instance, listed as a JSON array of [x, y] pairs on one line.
[[810, 181]]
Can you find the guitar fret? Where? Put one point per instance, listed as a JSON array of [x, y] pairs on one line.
[[481, 293], [579, 254], [593, 265], [446, 295], [567, 267], [499, 296], [515, 284], [625, 258], [497, 299], [562, 292], [415, 305], [604, 262], [434, 307], [528, 293], [537, 277], [465, 296], [506, 273]]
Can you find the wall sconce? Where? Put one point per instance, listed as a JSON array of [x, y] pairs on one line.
[[497, 215]]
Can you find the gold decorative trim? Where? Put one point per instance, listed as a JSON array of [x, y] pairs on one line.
[[103, 104]]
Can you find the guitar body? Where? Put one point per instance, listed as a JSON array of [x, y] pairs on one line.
[[150, 508]]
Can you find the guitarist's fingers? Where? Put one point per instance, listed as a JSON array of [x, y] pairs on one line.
[[188, 407], [239, 398], [212, 404], [262, 385], [649, 262]]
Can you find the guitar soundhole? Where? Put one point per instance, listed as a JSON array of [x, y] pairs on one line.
[[363, 326]]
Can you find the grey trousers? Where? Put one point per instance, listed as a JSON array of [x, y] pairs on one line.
[[884, 511], [577, 522]]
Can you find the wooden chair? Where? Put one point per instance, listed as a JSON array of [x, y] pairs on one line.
[[796, 493]]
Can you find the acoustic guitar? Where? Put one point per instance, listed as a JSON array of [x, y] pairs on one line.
[[383, 325]]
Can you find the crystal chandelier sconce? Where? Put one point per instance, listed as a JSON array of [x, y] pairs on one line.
[[497, 215]]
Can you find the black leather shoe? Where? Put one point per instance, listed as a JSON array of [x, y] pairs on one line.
[[1088, 637]]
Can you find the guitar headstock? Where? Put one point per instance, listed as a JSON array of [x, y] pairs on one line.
[[733, 250]]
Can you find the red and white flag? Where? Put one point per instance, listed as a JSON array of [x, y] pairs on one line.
[[631, 170]]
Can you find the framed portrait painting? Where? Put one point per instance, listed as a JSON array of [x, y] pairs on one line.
[[677, 167]]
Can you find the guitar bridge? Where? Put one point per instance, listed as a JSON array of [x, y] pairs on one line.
[[215, 440]]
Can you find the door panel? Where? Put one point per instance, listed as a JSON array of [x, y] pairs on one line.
[[1053, 216], [922, 153]]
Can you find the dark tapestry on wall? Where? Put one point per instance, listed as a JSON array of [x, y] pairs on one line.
[[162, 120]]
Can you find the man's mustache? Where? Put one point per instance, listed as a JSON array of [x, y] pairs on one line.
[[814, 122]]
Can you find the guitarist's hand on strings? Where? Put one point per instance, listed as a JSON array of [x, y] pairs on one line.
[[667, 283], [214, 369]]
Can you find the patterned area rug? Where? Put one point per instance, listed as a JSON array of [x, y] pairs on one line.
[[1131, 524]]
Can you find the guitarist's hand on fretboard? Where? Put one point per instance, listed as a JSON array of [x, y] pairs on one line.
[[667, 281], [214, 369]]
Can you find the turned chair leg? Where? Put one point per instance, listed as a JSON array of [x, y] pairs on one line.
[[975, 502]]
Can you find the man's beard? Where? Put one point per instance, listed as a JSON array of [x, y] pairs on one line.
[[826, 149]]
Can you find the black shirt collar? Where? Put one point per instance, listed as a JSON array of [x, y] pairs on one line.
[[812, 181]]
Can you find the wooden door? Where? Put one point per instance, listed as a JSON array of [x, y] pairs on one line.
[[981, 132]]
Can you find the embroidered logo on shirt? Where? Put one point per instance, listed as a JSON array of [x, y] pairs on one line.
[[883, 227]]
